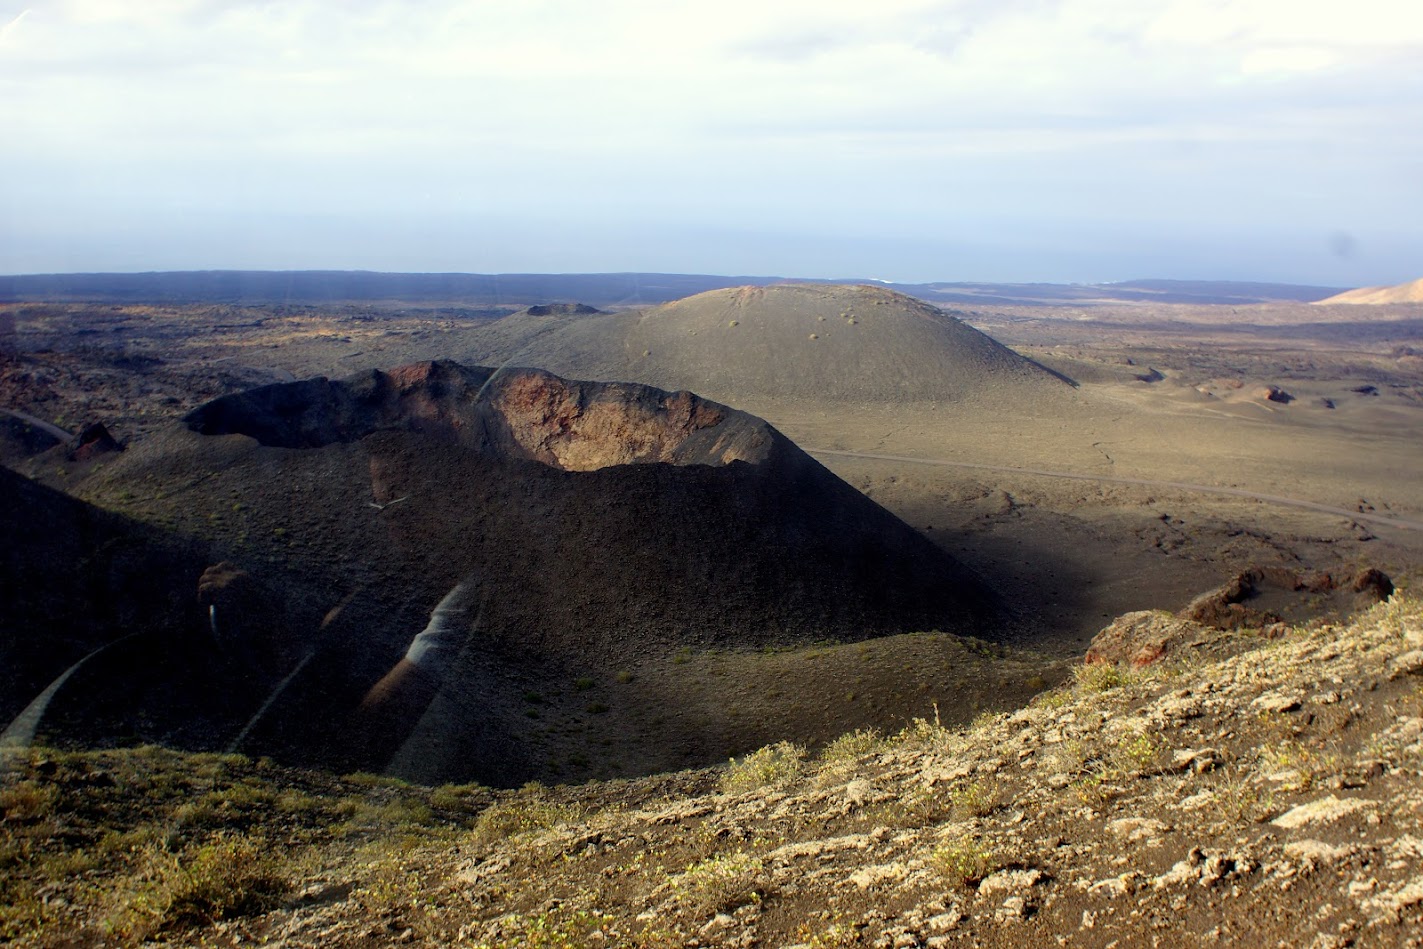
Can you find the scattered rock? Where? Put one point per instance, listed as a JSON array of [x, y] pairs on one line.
[[1010, 881], [1323, 811], [1197, 761], [1316, 853], [1139, 829], [879, 875], [1014, 908], [1410, 663], [1274, 394], [1276, 702]]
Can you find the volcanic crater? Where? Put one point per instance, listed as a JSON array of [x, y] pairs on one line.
[[422, 550]]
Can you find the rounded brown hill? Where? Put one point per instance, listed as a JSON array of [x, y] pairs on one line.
[[792, 341], [454, 538]]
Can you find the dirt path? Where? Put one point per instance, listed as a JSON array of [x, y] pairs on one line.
[[39, 423], [1398, 522]]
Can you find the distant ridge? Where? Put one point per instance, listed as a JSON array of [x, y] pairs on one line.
[[310, 287], [1411, 292], [352, 286]]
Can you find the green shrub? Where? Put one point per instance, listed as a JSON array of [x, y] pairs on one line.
[[28, 801], [1099, 677], [851, 747], [525, 813], [718, 883], [972, 800], [773, 764], [965, 861], [229, 877]]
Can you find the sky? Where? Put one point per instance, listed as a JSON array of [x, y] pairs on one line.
[[907, 140]]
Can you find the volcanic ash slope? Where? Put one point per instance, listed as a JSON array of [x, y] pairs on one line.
[[836, 343]]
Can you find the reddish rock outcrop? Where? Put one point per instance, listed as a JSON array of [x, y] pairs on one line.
[[524, 414], [1265, 595], [92, 442], [1264, 598], [1142, 638]]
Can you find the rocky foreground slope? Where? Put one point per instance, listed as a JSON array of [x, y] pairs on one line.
[[1249, 789]]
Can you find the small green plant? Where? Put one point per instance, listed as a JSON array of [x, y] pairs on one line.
[[371, 780], [1138, 753], [983, 721], [972, 800], [773, 764], [1399, 614], [840, 934], [918, 806], [1239, 801], [527, 812], [363, 816], [583, 684], [229, 877], [965, 861], [923, 733], [1097, 677], [1095, 789], [718, 883], [232, 877], [850, 747], [624, 677], [28, 801], [1053, 698]]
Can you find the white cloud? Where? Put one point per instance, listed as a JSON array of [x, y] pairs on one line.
[[719, 108], [1283, 61]]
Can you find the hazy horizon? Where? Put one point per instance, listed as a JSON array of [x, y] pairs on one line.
[[838, 278], [1071, 141]]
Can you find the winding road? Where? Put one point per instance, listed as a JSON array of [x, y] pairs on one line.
[[1398, 522]]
